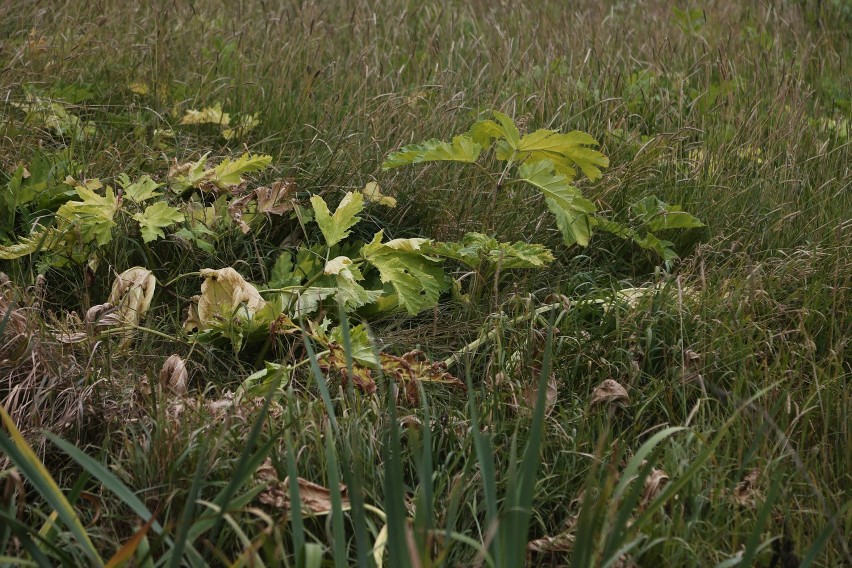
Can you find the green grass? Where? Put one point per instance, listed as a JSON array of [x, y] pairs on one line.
[[734, 110]]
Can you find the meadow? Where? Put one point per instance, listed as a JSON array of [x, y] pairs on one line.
[[496, 283]]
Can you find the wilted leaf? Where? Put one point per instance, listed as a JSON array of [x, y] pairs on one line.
[[747, 492], [336, 227], [373, 193], [131, 294], [531, 395], [610, 393], [315, 499], [174, 375], [654, 484], [337, 264], [336, 360], [224, 295], [414, 367], [276, 199]]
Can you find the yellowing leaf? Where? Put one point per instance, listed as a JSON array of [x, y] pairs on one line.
[[209, 115], [139, 88], [155, 218], [336, 227], [39, 240], [228, 172], [54, 116], [564, 150], [373, 193], [245, 123], [462, 149], [93, 216]]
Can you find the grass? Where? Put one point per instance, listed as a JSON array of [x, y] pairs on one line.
[[739, 112]]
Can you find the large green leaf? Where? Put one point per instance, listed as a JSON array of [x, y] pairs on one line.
[[462, 149], [476, 248], [658, 215], [566, 151], [228, 173], [417, 280], [573, 211], [336, 227], [155, 218]]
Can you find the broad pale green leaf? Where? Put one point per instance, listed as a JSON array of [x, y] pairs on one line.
[[573, 211], [417, 280], [565, 151], [228, 173], [349, 292], [336, 227], [155, 218], [658, 215], [462, 149], [93, 216], [141, 190], [521, 255]]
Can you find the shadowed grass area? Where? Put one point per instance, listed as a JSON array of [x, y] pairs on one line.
[[738, 112]]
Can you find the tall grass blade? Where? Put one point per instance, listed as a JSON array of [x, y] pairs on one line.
[[24, 457]]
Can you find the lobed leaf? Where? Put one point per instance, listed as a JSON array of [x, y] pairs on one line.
[[336, 227], [155, 218], [462, 149], [573, 211], [417, 280]]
